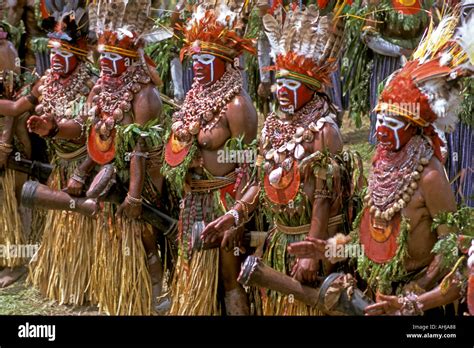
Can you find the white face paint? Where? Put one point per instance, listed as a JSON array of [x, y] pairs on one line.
[[113, 58], [204, 59], [391, 123], [60, 66], [283, 97]]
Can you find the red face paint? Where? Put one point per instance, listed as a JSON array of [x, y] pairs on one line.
[[113, 64], [392, 132], [207, 68], [63, 62], [292, 95]]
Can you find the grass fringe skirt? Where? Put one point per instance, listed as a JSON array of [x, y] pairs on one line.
[[277, 257], [62, 269], [11, 229], [63, 265], [120, 283], [195, 283]]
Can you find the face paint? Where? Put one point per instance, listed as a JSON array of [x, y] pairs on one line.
[[113, 64], [292, 95], [62, 62], [207, 68], [392, 133]]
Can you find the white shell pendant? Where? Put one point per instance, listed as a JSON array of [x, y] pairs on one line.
[[312, 127], [269, 154], [290, 145], [299, 151], [282, 148], [299, 131], [275, 176]]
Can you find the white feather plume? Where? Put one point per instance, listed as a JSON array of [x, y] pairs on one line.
[[465, 38]]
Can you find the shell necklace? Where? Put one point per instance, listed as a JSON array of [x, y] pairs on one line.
[[394, 176], [282, 140], [205, 105]]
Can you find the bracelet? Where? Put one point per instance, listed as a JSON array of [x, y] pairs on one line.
[[79, 176], [83, 128], [133, 201], [53, 132], [322, 194], [411, 305], [6, 148], [235, 214], [245, 209], [139, 154], [32, 99]]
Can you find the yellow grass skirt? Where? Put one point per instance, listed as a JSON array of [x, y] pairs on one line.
[[62, 269], [120, 283], [63, 266], [194, 287], [11, 229]]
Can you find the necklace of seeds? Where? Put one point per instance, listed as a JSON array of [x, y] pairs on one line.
[[57, 95], [204, 106], [283, 139], [114, 95], [394, 178]]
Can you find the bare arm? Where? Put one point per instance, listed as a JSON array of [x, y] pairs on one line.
[[321, 205], [16, 108], [147, 106], [242, 120], [438, 197]]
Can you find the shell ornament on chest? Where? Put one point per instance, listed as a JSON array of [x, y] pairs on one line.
[[113, 98], [202, 109], [283, 148], [58, 96], [392, 183]]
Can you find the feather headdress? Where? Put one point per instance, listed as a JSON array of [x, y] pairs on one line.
[[216, 27], [426, 90], [67, 23], [124, 25], [305, 46]]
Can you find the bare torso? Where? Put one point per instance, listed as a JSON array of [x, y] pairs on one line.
[[421, 238], [240, 118]]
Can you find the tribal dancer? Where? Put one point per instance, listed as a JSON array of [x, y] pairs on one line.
[[216, 112], [11, 227], [305, 177], [63, 91], [124, 139], [408, 189], [394, 30]]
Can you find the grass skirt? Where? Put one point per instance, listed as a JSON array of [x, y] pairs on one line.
[[63, 266], [277, 257], [121, 283], [11, 229], [195, 282]]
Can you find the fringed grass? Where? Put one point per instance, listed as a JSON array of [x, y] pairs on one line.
[[195, 284], [120, 281], [11, 229], [62, 269]]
